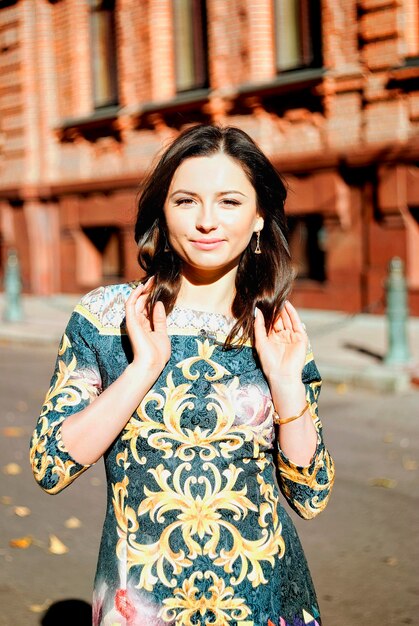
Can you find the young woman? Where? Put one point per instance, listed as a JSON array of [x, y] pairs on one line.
[[198, 387]]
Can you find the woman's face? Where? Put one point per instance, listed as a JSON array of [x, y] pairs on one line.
[[211, 213]]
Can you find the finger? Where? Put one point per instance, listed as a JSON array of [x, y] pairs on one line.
[[259, 327], [279, 324], [296, 322], [135, 306], [148, 283], [286, 319], [144, 321], [159, 318], [131, 304], [140, 294]]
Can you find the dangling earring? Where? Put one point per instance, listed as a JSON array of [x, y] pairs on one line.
[[258, 249], [166, 247]]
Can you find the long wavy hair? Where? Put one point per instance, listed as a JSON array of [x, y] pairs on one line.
[[263, 280]]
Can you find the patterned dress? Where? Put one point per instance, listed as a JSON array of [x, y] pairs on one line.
[[195, 531]]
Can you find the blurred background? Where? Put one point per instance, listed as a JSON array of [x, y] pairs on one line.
[[90, 92]]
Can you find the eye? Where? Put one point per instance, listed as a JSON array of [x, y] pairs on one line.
[[184, 201], [231, 202]]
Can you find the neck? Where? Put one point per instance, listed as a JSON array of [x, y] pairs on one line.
[[214, 293]]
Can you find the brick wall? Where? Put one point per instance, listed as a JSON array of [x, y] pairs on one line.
[[331, 133], [12, 148]]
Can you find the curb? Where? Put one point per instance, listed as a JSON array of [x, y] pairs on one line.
[[374, 378]]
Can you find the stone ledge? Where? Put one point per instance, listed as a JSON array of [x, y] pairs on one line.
[[376, 378]]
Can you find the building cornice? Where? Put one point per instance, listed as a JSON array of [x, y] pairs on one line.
[[357, 158]]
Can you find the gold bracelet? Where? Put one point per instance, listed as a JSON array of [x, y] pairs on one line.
[[287, 420]]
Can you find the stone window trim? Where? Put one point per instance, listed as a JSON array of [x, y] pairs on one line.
[[406, 75], [285, 82], [114, 120], [108, 121], [101, 122]]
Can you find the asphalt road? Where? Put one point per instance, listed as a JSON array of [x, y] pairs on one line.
[[363, 550]]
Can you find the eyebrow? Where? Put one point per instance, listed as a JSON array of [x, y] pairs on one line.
[[220, 193]]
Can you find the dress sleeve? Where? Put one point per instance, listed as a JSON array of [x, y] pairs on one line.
[[307, 489], [74, 384]]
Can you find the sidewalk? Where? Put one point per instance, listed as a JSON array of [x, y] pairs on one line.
[[348, 349]]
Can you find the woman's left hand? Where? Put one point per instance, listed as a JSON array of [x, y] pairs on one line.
[[282, 352]]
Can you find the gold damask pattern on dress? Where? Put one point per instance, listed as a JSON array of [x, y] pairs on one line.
[[198, 515], [201, 502], [71, 387], [222, 605], [226, 433], [205, 352]]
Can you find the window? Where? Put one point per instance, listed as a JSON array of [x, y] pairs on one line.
[[190, 39], [307, 245], [104, 246], [103, 46], [297, 34]]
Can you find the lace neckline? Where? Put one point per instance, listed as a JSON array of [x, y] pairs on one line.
[[201, 312], [184, 318]]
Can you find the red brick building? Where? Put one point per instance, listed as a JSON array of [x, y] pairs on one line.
[[90, 90]]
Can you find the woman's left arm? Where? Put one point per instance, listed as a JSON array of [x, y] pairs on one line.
[[306, 469]]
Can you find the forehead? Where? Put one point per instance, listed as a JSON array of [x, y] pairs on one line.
[[217, 172]]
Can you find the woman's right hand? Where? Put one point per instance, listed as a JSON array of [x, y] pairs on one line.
[[151, 348]]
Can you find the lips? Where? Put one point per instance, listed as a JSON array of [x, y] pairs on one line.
[[207, 244], [207, 240]]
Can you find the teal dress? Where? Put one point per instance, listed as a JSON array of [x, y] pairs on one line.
[[195, 531]]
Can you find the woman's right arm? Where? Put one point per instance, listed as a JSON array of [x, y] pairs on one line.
[[88, 434], [63, 446]]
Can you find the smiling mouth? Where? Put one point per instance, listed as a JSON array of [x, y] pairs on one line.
[[207, 244]]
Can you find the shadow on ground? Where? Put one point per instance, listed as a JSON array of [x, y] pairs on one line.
[[68, 613]]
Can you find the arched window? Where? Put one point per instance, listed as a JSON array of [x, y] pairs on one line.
[[103, 52], [190, 40], [297, 34]]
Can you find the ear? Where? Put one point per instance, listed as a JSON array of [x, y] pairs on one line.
[[259, 224]]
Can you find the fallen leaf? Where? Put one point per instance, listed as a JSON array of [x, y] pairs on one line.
[[13, 431], [388, 438], [12, 469], [391, 560], [22, 406], [21, 542], [40, 608], [404, 443], [73, 522], [342, 388], [6, 500], [409, 464], [22, 511], [387, 483], [56, 546]]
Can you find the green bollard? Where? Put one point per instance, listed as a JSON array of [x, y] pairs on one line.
[[398, 352], [12, 289]]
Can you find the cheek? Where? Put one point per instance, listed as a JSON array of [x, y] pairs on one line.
[[175, 225], [241, 226]]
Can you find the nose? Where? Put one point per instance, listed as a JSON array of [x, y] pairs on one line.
[[206, 219]]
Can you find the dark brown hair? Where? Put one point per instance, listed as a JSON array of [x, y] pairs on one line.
[[262, 280]]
